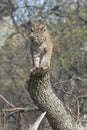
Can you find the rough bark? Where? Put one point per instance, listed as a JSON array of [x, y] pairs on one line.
[[39, 87]]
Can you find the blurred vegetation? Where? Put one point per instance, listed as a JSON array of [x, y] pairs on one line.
[[68, 29]]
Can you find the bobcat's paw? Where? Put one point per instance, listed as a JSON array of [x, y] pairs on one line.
[[44, 66], [36, 70]]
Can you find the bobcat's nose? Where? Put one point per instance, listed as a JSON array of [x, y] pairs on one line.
[[32, 38], [45, 50]]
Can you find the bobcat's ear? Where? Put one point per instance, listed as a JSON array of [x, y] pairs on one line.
[[32, 29], [44, 28]]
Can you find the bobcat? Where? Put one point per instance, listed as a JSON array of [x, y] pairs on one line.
[[41, 46]]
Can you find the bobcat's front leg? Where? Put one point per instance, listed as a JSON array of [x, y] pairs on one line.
[[45, 62], [36, 60]]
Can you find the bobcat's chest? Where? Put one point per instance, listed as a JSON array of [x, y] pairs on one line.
[[41, 49]]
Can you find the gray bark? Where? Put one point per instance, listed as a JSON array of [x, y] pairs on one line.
[[42, 94]]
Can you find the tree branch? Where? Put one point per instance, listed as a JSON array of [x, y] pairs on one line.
[[42, 94]]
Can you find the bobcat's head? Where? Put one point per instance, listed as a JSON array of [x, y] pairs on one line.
[[37, 34]]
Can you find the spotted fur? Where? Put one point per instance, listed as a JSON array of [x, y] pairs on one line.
[[41, 46]]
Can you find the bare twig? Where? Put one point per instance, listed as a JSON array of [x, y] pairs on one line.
[[19, 109], [76, 98], [80, 79], [5, 100]]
